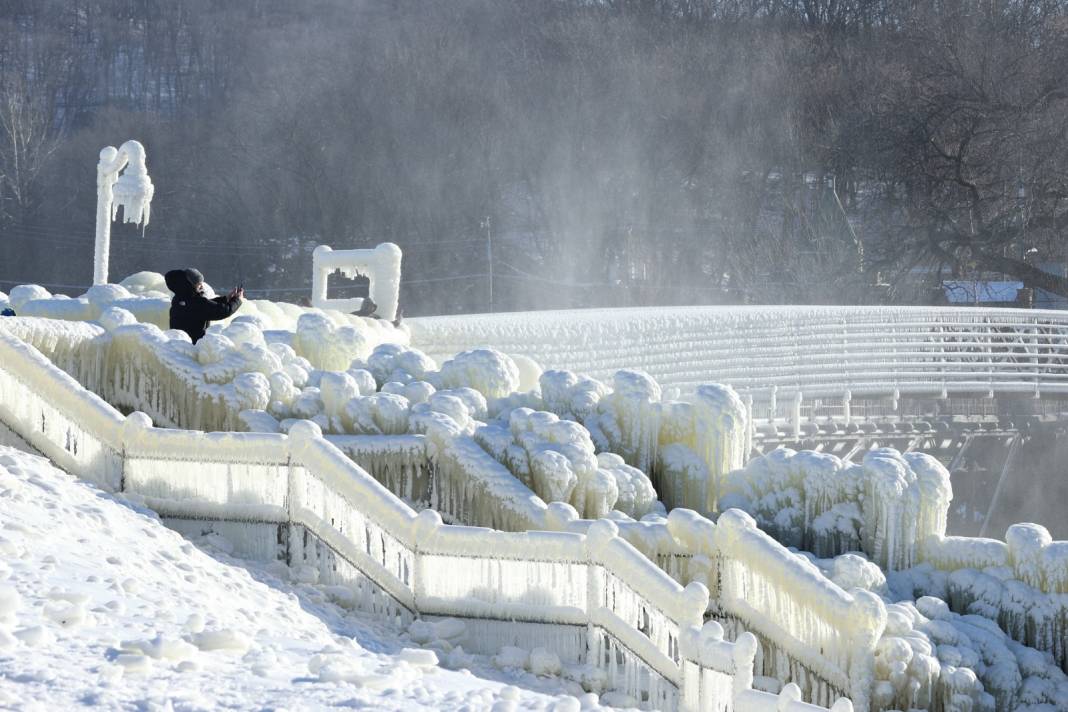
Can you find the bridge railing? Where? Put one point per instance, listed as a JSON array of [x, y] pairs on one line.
[[817, 351]]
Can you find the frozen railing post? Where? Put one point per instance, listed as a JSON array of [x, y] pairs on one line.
[[427, 524], [381, 266], [715, 671], [132, 192]]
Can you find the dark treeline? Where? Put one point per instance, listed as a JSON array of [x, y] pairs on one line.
[[608, 153]]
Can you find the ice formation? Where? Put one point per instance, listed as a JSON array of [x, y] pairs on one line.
[[885, 506], [556, 459], [687, 447]]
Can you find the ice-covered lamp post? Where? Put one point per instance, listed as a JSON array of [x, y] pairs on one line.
[[132, 191]]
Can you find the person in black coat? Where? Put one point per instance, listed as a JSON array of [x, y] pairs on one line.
[[191, 311]]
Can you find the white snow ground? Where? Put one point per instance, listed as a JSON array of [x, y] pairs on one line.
[[102, 606]]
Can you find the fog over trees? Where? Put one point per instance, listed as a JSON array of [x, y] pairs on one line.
[[605, 153]]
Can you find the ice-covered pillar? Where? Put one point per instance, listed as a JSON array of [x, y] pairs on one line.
[[847, 407], [796, 415], [750, 430], [426, 526], [866, 621], [132, 192], [299, 439]]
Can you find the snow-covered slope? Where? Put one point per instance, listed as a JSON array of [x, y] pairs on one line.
[[101, 605]]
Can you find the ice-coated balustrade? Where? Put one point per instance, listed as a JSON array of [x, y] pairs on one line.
[[824, 352], [146, 296], [812, 631], [630, 620], [139, 367]]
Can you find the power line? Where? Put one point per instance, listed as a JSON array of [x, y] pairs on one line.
[[356, 286], [44, 284]]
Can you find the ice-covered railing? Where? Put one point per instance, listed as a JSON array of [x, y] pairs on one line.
[[79, 348], [1028, 551], [629, 617], [235, 368], [813, 632], [824, 352], [820, 635]]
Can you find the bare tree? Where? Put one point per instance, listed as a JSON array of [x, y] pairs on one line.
[[27, 141]]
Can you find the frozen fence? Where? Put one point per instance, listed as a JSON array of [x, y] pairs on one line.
[[616, 609], [816, 351]]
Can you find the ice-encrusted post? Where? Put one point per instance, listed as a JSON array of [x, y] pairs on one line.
[[868, 620], [796, 416], [133, 428], [132, 192], [301, 435], [427, 524]]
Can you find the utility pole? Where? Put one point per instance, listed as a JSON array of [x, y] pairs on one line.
[[489, 256]]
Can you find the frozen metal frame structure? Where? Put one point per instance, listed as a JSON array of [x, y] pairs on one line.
[[381, 265]]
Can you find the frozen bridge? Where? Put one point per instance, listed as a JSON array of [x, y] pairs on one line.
[[797, 363]]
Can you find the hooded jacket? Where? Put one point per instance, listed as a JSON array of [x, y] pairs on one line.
[[191, 312]]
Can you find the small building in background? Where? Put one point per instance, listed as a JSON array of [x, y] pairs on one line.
[[987, 293]]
